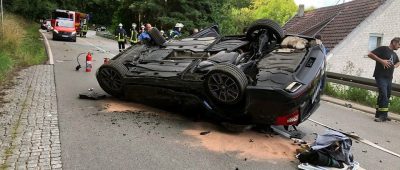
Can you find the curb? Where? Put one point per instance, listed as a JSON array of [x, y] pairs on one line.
[[356, 106], [48, 49]]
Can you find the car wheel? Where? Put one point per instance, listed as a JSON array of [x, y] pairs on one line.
[[156, 36], [265, 24], [225, 84], [110, 78]]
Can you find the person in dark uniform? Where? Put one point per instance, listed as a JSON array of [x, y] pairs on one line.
[[386, 60], [176, 32], [120, 34]]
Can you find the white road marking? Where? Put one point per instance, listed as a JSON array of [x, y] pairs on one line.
[[356, 137], [48, 49]]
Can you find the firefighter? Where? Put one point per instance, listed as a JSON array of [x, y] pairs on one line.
[[176, 32], [141, 29], [84, 30], [164, 34], [134, 34], [120, 34]]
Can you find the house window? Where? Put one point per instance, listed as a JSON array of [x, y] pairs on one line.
[[375, 40]]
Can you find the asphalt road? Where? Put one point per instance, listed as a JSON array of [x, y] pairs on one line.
[[114, 134]]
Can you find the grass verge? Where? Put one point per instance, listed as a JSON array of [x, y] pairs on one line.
[[20, 45], [360, 96]]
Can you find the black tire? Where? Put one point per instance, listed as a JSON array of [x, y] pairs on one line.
[[54, 36], [111, 78], [260, 24], [225, 84], [156, 36]]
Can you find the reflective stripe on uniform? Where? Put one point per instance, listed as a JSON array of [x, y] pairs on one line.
[[120, 38], [133, 37], [85, 28], [383, 109]]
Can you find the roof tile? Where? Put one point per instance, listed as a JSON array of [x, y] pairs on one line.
[[333, 23]]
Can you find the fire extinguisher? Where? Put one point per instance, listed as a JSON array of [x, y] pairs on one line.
[[88, 62]]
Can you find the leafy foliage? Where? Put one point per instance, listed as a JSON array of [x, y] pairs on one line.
[[231, 15]]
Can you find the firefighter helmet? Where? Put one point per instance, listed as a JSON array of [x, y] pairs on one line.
[[179, 25]]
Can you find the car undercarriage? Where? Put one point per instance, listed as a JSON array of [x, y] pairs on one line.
[[263, 77]]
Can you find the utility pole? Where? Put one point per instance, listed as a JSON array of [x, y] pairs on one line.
[[2, 21]]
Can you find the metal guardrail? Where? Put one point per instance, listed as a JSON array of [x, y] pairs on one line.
[[359, 82], [108, 35], [105, 34]]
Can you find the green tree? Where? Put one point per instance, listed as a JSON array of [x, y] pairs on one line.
[[231, 15], [165, 14], [31, 9], [278, 10]]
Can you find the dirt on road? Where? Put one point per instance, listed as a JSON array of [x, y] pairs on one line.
[[248, 145]]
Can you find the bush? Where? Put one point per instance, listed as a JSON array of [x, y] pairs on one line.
[[358, 95], [394, 105]]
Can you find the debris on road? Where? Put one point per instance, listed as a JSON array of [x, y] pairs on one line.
[[331, 149], [288, 133], [299, 141], [303, 148], [91, 95], [358, 138], [204, 133]]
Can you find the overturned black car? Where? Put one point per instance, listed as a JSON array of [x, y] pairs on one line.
[[262, 77]]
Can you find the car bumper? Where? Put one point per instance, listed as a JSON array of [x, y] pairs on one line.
[[66, 36], [278, 107]]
